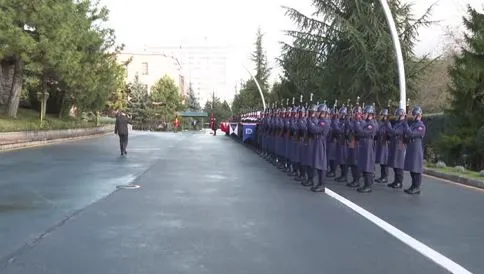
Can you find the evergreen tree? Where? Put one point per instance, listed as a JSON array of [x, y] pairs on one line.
[[352, 50], [467, 95], [249, 95], [166, 92], [62, 44], [139, 103], [191, 100], [300, 73], [262, 70], [221, 110], [282, 90]]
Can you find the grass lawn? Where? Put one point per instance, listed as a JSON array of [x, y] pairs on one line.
[[28, 120], [453, 171]]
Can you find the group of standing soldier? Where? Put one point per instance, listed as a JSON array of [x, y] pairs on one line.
[[311, 142]]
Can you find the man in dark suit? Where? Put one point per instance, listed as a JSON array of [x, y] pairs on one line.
[[121, 129]]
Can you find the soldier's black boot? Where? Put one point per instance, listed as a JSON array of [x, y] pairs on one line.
[[284, 164], [275, 160], [416, 181], [384, 175], [332, 169], [295, 168], [344, 174], [341, 168], [280, 163], [302, 173], [368, 178], [309, 181], [356, 177], [287, 166], [292, 167], [397, 184], [320, 187]]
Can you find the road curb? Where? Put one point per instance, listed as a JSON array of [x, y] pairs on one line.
[[32, 144], [454, 178]]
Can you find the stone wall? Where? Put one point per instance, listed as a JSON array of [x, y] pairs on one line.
[[8, 138]]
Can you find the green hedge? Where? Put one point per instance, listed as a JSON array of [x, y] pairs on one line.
[[436, 125], [451, 149]]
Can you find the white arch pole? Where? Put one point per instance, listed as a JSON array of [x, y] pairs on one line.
[[398, 52], [258, 87]]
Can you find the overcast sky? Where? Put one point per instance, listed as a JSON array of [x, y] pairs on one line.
[[234, 23]]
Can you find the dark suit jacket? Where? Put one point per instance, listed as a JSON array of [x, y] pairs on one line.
[[121, 126]]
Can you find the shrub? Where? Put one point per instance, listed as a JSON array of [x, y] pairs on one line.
[[440, 164]]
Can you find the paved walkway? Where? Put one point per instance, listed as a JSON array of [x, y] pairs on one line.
[[209, 205]]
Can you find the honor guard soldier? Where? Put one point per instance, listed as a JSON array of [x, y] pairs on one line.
[[339, 129], [381, 148], [320, 162], [278, 138], [287, 138], [331, 144], [365, 132], [414, 155], [259, 131], [397, 148], [302, 130], [295, 140], [352, 142], [281, 146], [312, 122], [264, 134], [272, 121]]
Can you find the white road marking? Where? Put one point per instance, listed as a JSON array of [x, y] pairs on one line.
[[423, 249]]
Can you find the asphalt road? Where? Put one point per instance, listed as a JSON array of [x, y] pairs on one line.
[[210, 205]]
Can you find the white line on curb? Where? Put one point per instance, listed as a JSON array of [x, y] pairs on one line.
[[425, 250]]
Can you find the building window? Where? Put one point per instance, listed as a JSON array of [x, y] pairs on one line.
[[144, 68]]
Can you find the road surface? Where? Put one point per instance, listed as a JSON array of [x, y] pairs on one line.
[[207, 204]]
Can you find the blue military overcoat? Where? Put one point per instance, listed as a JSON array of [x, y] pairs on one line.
[[415, 155]]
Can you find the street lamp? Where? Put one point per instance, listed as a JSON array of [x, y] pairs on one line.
[[398, 52], [258, 87]]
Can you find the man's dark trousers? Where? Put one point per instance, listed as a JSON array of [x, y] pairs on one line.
[[123, 142]]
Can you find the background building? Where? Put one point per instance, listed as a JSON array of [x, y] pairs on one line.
[[151, 66], [206, 65]]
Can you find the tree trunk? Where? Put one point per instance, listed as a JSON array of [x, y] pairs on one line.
[[63, 105], [6, 77], [16, 88]]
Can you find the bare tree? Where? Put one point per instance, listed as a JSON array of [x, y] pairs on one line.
[[433, 86], [453, 40]]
